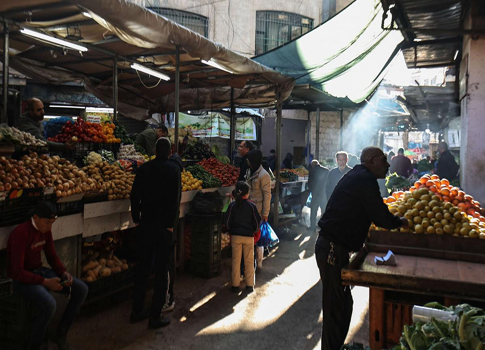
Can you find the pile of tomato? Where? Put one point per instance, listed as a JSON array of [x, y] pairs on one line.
[[226, 173], [80, 131]]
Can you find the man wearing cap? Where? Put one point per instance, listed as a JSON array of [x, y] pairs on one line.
[[35, 282], [155, 203], [148, 138]]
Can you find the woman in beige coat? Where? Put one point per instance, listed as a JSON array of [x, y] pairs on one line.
[[260, 193]]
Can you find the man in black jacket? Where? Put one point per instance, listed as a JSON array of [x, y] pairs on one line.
[[243, 151], [317, 178], [155, 201], [446, 167], [354, 205]]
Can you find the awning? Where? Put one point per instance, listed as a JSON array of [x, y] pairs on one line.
[[344, 58], [133, 34]]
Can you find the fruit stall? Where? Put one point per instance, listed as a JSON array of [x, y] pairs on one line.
[[91, 187], [293, 193], [440, 257]]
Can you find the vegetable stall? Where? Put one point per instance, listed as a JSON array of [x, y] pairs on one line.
[[440, 257]]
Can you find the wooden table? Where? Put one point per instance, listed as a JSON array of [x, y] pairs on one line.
[[416, 279]]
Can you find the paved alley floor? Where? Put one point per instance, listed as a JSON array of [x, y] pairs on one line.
[[283, 312]]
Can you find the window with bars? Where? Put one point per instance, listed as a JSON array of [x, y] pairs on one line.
[[193, 21], [275, 28]]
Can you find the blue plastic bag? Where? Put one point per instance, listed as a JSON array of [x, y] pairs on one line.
[[309, 201], [268, 236]]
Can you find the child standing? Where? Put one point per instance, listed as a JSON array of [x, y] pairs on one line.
[[242, 221]]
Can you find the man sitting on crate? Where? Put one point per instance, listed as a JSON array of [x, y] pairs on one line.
[[155, 203], [34, 282]]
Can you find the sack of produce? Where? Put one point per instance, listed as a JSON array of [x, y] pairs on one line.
[[207, 203]]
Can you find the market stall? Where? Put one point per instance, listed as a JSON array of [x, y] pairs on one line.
[[439, 258]]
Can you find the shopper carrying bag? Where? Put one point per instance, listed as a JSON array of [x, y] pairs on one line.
[[242, 220]]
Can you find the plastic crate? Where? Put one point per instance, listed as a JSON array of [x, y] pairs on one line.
[[69, 208], [95, 198], [16, 205], [99, 288], [6, 287], [123, 278], [15, 322], [204, 269]]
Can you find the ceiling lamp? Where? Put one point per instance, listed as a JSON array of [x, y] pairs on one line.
[[52, 39], [215, 65], [149, 71]]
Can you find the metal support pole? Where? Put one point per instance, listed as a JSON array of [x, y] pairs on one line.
[[232, 135], [341, 129], [177, 97], [115, 88], [317, 136], [4, 118], [308, 138], [278, 158]]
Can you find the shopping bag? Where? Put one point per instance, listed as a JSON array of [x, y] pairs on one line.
[[309, 201], [257, 236], [268, 236]]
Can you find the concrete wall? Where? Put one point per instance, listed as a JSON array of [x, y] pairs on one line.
[[233, 23], [472, 150], [293, 134]]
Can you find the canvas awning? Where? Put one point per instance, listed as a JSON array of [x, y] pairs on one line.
[[342, 61], [130, 33]]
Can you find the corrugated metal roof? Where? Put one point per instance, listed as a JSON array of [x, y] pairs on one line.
[[433, 30]]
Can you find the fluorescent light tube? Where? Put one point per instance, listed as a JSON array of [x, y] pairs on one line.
[[66, 106], [456, 55], [86, 14], [215, 65], [51, 39], [149, 71], [99, 109]]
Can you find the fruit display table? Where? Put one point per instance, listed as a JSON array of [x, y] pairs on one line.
[[429, 268]]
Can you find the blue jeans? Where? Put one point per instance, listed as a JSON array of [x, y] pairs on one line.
[[41, 297]]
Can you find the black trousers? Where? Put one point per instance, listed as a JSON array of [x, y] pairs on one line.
[[337, 300], [318, 201], [154, 245], [171, 276]]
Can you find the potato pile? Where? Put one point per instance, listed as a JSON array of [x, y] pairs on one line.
[[427, 214], [102, 267], [111, 179], [43, 171]]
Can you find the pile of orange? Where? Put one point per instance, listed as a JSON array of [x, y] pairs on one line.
[[449, 194]]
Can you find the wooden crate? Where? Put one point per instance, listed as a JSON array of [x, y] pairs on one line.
[[432, 246]]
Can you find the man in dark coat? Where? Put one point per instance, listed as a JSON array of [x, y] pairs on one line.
[[336, 174], [243, 150], [155, 202], [317, 179], [401, 164], [354, 205], [446, 167]]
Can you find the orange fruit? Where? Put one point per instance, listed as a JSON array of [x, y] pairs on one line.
[[445, 182], [470, 211], [454, 191], [435, 177], [433, 188], [417, 184], [477, 215], [476, 204], [462, 205], [412, 189], [460, 198], [445, 191], [468, 204], [461, 193], [423, 180], [468, 198], [390, 199], [429, 183], [446, 198], [439, 196], [455, 202]]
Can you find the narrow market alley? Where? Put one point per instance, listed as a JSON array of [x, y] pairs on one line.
[[283, 312]]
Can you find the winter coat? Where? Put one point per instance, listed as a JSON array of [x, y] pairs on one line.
[[260, 193]]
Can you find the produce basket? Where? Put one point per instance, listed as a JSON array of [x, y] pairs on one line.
[[6, 287], [16, 205], [69, 208]]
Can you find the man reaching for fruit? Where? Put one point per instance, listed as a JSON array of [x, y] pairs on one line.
[[31, 122], [354, 204], [35, 282]]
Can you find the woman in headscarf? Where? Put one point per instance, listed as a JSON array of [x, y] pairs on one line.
[[260, 183], [287, 162]]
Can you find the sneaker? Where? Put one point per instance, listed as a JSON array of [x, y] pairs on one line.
[[137, 317], [235, 289], [158, 322], [168, 307], [249, 289]]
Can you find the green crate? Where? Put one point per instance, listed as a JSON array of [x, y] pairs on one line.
[[204, 269]]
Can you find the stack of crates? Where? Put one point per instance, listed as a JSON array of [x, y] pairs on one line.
[[205, 254], [15, 320]]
